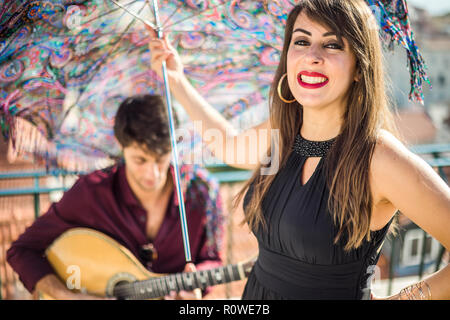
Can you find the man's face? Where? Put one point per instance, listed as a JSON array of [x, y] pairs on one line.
[[144, 170]]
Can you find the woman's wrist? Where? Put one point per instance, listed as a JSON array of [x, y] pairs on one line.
[[177, 81], [416, 291]]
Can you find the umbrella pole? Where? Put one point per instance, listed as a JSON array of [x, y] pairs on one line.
[[184, 227]]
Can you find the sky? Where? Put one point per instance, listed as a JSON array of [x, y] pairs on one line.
[[435, 7]]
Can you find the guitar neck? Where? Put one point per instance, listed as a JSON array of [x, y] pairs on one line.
[[161, 286]]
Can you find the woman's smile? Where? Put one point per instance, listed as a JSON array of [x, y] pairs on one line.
[[312, 80]]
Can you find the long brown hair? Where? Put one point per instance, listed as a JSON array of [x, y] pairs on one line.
[[367, 112]]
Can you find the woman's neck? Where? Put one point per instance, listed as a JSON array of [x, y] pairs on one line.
[[321, 124]]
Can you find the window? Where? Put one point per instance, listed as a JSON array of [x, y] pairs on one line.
[[412, 248], [441, 80]]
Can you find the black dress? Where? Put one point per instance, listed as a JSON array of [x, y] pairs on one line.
[[297, 257]]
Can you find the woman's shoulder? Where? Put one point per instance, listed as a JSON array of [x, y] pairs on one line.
[[389, 149], [392, 161]]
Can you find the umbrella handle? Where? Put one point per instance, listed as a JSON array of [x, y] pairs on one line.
[[183, 220]]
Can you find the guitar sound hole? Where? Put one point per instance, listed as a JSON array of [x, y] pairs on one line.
[[120, 290]]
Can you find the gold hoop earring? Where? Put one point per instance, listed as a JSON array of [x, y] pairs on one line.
[[279, 90]]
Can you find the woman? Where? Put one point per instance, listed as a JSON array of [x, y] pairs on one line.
[[321, 219]]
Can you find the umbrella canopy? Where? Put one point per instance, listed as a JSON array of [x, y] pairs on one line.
[[65, 66], [393, 19]]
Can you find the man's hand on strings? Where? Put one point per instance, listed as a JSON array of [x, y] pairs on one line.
[[196, 294]]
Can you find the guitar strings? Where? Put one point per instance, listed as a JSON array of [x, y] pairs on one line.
[[129, 289]]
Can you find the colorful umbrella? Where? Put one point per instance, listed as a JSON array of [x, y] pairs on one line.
[[392, 16], [65, 68], [66, 65]]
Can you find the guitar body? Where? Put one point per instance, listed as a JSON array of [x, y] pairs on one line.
[[90, 261]]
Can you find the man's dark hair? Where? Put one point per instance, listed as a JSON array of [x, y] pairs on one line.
[[143, 119]]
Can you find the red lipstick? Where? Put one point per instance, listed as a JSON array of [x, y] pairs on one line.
[[311, 85]]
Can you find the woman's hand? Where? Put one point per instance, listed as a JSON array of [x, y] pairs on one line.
[[161, 50]]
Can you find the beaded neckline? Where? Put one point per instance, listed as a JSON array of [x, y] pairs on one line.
[[309, 148]]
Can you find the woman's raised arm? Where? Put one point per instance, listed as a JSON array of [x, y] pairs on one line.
[[240, 150]]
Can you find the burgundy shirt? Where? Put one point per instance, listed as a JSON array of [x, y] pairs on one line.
[[104, 201]]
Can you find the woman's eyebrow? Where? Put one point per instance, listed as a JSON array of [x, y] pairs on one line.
[[326, 34]]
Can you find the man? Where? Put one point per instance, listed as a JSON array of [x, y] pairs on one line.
[[134, 202]]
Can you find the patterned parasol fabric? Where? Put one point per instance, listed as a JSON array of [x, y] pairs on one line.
[[65, 66], [393, 18]]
